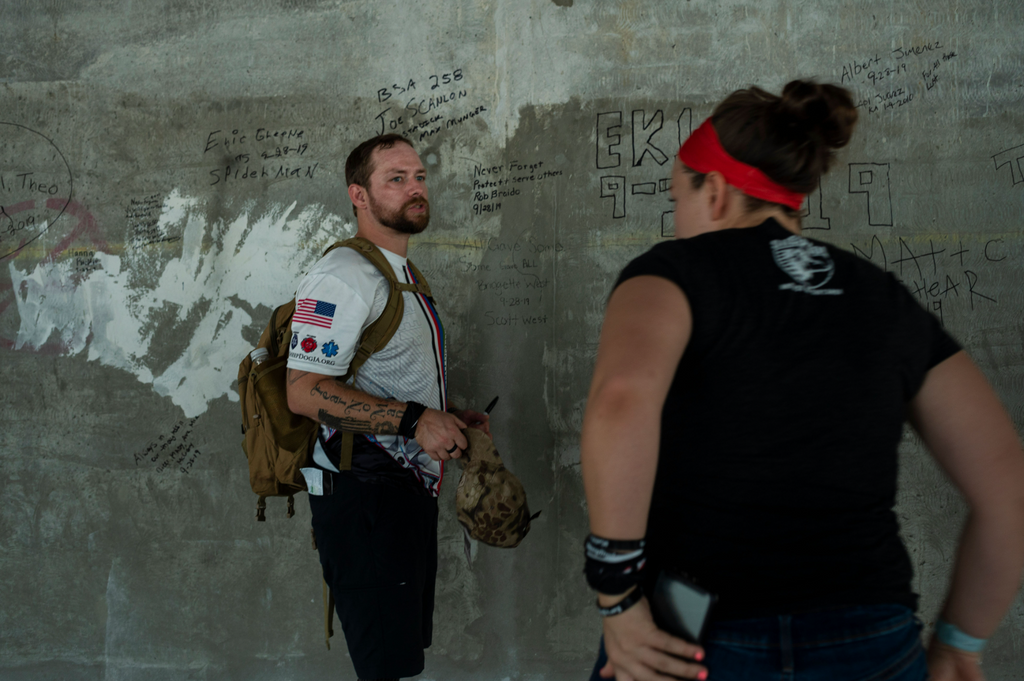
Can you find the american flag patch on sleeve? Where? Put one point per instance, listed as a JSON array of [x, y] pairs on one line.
[[315, 312]]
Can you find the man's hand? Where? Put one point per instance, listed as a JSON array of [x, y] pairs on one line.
[[474, 419], [946, 663], [440, 435], [639, 651]]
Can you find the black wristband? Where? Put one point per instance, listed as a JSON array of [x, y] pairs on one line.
[[613, 566], [407, 426], [622, 606], [601, 548]]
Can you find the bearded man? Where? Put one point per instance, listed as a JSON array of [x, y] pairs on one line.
[[376, 524]]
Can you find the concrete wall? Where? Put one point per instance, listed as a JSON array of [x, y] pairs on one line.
[[170, 169]]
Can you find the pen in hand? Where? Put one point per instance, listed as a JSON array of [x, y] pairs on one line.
[[487, 412]]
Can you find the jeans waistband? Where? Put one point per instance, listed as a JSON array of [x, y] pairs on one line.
[[819, 628]]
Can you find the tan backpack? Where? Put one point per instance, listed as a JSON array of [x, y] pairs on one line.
[[277, 442], [490, 501]]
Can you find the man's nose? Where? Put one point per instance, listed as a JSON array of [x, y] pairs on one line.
[[417, 188]]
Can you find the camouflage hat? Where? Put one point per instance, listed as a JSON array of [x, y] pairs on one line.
[[490, 501]]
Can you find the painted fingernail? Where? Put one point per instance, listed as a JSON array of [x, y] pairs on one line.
[[703, 675], [699, 656]]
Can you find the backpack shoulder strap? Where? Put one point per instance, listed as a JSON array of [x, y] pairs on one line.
[[374, 255], [421, 282], [380, 332], [377, 335], [279, 330]]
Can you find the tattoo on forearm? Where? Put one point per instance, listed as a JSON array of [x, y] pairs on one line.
[[357, 415], [357, 406], [316, 390], [383, 411], [294, 375], [357, 425]]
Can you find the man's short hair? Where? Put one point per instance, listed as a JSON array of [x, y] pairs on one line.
[[358, 167]]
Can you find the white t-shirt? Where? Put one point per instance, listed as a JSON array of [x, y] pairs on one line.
[[340, 297]]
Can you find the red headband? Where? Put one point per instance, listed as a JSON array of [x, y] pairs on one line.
[[702, 152]]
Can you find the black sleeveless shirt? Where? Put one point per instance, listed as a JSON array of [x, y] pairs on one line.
[[777, 469]]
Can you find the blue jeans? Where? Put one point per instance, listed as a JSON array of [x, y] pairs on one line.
[[863, 643]]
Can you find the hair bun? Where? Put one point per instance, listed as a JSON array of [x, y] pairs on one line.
[[826, 110], [790, 138]]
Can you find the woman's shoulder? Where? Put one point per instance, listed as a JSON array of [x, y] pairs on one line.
[[666, 259], [857, 265], [691, 247]]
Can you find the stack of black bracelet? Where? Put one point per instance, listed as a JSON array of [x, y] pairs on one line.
[[410, 419], [613, 567]]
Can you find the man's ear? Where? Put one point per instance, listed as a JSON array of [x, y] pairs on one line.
[[357, 194], [718, 194]]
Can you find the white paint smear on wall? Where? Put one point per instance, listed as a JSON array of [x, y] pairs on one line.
[[260, 261]]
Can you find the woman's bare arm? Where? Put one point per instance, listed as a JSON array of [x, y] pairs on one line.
[[646, 329], [971, 436]]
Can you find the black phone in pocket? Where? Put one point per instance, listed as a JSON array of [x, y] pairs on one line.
[[680, 607]]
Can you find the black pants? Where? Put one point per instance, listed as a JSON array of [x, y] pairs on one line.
[[378, 549]]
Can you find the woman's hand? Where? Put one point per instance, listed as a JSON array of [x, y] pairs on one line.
[[639, 651], [946, 663]]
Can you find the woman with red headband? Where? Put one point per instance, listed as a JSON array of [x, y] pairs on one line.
[[748, 400]]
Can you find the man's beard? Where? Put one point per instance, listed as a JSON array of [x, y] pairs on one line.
[[398, 220]]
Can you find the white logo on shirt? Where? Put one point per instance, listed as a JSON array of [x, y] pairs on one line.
[[808, 264]]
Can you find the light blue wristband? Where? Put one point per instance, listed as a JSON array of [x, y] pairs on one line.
[[952, 636]]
